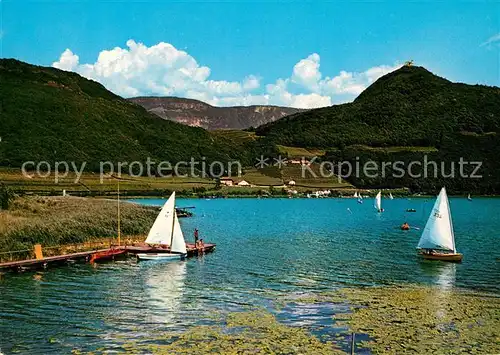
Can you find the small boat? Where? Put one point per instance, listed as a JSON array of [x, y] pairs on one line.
[[378, 202], [183, 212], [356, 194], [106, 254], [161, 256], [390, 196], [469, 198], [166, 230], [360, 200], [438, 240], [411, 210]]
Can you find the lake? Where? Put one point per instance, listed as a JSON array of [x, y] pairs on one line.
[[266, 249]]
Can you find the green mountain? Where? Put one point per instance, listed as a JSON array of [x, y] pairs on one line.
[[54, 115], [403, 116], [51, 115]]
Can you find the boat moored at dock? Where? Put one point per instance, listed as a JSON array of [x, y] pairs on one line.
[[166, 230]]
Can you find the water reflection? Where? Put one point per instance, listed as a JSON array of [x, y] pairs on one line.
[[441, 274], [444, 275], [165, 286]]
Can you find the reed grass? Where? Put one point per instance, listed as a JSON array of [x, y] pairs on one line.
[[53, 221]]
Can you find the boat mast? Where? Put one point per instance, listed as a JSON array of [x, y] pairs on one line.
[[173, 226], [119, 234], [451, 222]]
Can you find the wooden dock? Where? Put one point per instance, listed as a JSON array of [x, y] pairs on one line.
[[86, 256], [191, 250]]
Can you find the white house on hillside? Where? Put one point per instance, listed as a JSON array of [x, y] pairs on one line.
[[227, 181]]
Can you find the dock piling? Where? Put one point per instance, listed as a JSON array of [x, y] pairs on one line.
[[38, 251]]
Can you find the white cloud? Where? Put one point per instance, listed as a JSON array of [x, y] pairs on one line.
[[251, 82], [163, 70], [492, 40], [354, 83], [68, 61], [310, 101], [306, 72]]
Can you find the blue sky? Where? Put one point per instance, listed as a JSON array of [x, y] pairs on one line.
[[298, 54]]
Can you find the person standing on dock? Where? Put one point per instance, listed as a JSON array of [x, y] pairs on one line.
[[196, 237]]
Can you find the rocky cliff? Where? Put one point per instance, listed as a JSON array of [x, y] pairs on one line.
[[199, 114]]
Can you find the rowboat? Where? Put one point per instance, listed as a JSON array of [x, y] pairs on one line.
[[106, 254]]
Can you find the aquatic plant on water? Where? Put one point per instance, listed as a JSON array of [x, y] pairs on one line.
[[410, 319]]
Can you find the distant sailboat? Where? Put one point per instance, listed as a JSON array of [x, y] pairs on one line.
[[390, 196], [469, 198], [356, 194], [378, 202], [166, 230], [438, 241]]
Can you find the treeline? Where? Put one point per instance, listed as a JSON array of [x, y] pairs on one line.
[[426, 171]]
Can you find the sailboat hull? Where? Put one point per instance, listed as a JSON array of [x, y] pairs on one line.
[[452, 257], [161, 256]]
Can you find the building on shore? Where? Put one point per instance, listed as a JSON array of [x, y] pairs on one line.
[[227, 181], [243, 183]]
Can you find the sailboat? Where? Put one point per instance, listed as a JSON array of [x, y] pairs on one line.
[[438, 241], [469, 198], [166, 230], [378, 202], [390, 196], [355, 194]]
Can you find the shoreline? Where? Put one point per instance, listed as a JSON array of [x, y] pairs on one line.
[[283, 197]]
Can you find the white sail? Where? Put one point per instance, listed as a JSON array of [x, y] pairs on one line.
[[355, 194], [438, 232], [360, 197], [178, 243], [161, 231], [390, 196], [378, 201]]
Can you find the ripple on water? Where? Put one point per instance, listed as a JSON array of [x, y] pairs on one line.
[[266, 250]]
